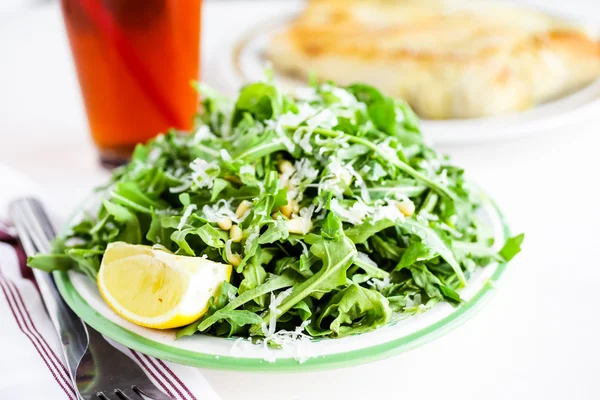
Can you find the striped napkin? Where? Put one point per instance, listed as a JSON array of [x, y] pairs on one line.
[[31, 360], [35, 367]]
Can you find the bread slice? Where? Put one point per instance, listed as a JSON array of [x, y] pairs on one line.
[[447, 59]]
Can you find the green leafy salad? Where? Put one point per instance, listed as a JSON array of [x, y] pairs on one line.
[[335, 214]]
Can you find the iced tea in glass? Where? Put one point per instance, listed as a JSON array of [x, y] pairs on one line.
[[135, 60]]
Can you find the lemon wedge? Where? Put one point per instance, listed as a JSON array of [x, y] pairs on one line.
[[157, 289]]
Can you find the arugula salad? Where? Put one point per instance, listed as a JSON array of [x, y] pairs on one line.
[[333, 211]]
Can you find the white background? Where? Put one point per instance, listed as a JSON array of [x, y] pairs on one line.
[[538, 338]]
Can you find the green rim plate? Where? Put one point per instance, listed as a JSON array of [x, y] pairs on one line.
[[337, 360]]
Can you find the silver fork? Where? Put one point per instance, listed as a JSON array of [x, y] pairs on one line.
[[99, 370]]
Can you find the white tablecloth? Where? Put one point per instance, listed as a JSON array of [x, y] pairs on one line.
[[536, 339]]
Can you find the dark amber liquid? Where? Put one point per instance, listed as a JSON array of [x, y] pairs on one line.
[[162, 37]]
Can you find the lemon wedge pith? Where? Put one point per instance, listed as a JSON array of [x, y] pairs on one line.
[[158, 289]]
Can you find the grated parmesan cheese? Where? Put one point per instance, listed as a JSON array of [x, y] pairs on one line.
[[359, 182], [304, 247], [186, 214], [220, 210], [425, 216], [305, 111], [354, 215], [181, 188], [443, 177], [225, 155], [290, 119], [302, 137], [324, 119], [366, 259], [413, 301], [251, 238], [388, 211], [301, 175], [378, 172], [295, 343], [290, 342], [388, 151], [154, 155], [228, 252], [399, 117], [248, 169], [204, 173], [346, 98], [379, 284], [203, 133]]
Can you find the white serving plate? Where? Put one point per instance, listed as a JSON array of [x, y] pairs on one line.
[[242, 60]]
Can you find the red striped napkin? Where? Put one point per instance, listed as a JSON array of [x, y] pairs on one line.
[[32, 363]]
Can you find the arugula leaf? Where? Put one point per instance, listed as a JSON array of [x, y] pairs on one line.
[[372, 270], [387, 248], [131, 232], [383, 115], [261, 100], [179, 237], [417, 251], [304, 309], [332, 228], [411, 121], [218, 186], [512, 247], [432, 285], [434, 242], [255, 274], [238, 317], [360, 233], [356, 310], [159, 233], [365, 93], [128, 194], [450, 295], [211, 236], [336, 254], [277, 230], [51, 262], [208, 320]]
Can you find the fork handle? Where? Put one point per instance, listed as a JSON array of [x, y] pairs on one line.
[[35, 232]]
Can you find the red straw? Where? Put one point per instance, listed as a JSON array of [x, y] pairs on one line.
[[110, 29]]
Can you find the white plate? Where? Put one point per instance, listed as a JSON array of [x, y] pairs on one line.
[[243, 60]]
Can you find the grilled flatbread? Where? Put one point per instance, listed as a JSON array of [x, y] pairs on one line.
[[447, 59]]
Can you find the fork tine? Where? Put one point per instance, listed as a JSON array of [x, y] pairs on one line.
[[110, 395], [127, 394], [152, 392]]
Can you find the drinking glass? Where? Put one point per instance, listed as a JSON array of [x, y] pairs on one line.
[[135, 60]]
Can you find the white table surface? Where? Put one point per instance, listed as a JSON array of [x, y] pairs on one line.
[[536, 339]]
